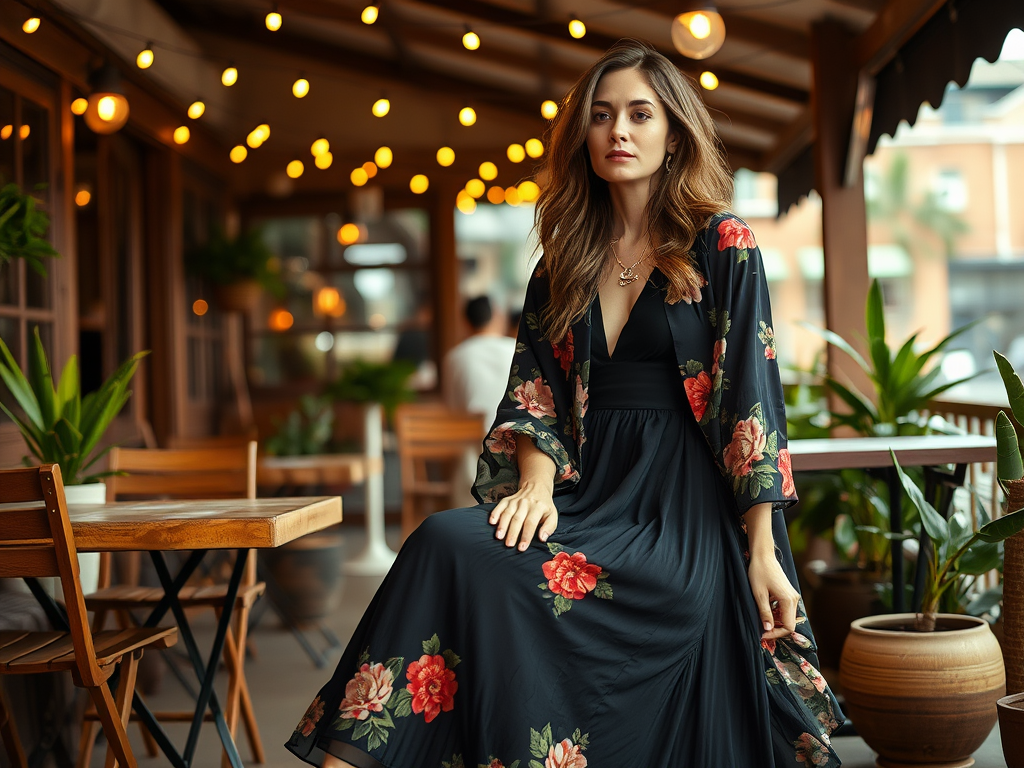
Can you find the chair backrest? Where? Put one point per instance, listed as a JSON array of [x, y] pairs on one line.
[[211, 441], [183, 473], [36, 541], [427, 433]]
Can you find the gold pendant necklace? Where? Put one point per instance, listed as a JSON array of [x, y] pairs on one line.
[[627, 275]]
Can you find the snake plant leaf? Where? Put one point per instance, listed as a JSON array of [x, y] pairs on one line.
[[875, 315], [31, 438], [981, 557], [19, 387], [834, 338], [934, 524], [862, 407], [1014, 386], [41, 380], [69, 398], [1008, 460], [1002, 527]]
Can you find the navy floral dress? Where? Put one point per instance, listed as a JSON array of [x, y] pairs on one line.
[[630, 639]]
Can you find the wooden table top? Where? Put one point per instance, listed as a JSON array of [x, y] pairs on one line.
[[207, 524], [869, 452]]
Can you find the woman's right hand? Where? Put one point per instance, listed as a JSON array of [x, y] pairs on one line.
[[528, 511]]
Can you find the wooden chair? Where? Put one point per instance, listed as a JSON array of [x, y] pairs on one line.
[[432, 440], [187, 474], [36, 541]]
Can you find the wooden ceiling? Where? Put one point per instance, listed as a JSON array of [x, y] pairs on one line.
[[414, 55]]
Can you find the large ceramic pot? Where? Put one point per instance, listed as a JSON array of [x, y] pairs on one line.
[[1011, 729], [243, 296], [88, 563], [922, 698]]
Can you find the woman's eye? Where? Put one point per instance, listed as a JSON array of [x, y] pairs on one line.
[[599, 116], [642, 117]]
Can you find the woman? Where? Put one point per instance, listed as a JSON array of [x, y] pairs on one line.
[[618, 599]]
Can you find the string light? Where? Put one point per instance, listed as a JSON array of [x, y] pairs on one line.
[[238, 154], [381, 107], [467, 116], [577, 28], [257, 136], [512, 197], [496, 195], [280, 320], [516, 153], [319, 147], [548, 109], [200, 307], [349, 234], [471, 40], [465, 202], [488, 171], [698, 34], [369, 14], [229, 76], [31, 25], [328, 302], [445, 156], [274, 20], [196, 109], [300, 88], [475, 188], [6, 132], [108, 108], [24, 132], [418, 184], [323, 160], [295, 169], [709, 80], [182, 134], [264, 130], [529, 191], [534, 148], [79, 105], [370, 168], [359, 177], [383, 157], [83, 197], [700, 26], [145, 58]]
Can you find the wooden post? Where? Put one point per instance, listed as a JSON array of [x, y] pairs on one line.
[[843, 213], [445, 272]]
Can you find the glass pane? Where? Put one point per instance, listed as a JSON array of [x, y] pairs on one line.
[[33, 134], [9, 332], [9, 283], [37, 289], [6, 136]]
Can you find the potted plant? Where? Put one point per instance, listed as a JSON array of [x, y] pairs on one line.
[[926, 684], [307, 430], [239, 269], [23, 229], [60, 426]]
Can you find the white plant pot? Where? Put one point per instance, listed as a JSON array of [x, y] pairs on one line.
[[88, 563]]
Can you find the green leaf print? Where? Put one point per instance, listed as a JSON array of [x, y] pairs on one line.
[[772, 446], [401, 703], [342, 723], [532, 321], [395, 665], [363, 728], [432, 647], [694, 367], [742, 255], [451, 659], [364, 657], [773, 676], [520, 348], [554, 548], [383, 720], [583, 739], [456, 762], [540, 741], [562, 604], [535, 764], [758, 412], [603, 590]]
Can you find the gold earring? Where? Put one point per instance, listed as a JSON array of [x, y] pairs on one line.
[[668, 161]]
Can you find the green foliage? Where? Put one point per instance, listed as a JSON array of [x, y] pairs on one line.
[[23, 229], [1009, 466], [224, 261], [903, 388], [385, 383], [306, 431], [58, 424]]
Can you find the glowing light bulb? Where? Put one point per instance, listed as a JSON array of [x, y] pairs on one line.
[[700, 25], [496, 195], [229, 76], [273, 21], [83, 197], [476, 188], [369, 14], [295, 169], [445, 156], [280, 320], [300, 88], [264, 130], [549, 109], [465, 202], [370, 168], [6, 132], [488, 171], [319, 147], [196, 109], [106, 108], [349, 234], [31, 25], [467, 116], [238, 154], [328, 302], [577, 28], [471, 40], [418, 184], [200, 307], [535, 148], [709, 80], [529, 191], [182, 134], [516, 153], [79, 105], [698, 34], [323, 160], [512, 197], [381, 107], [145, 58], [254, 139], [359, 177], [24, 131], [383, 157]]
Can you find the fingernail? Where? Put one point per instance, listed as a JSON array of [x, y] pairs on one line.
[[543, 536], [767, 626], [522, 547], [499, 534]]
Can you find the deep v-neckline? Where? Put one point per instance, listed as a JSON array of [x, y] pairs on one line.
[[629, 317]]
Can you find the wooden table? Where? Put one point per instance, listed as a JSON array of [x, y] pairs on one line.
[[927, 451], [199, 526], [321, 469]]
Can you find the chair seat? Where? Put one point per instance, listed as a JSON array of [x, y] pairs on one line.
[[24, 653], [124, 597]]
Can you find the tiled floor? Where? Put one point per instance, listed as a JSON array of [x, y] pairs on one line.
[[283, 681]]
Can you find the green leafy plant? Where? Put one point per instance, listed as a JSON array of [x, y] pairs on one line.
[[23, 229], [58, 424], [903, 387], [385, 383], [306, 431], [225, 261]]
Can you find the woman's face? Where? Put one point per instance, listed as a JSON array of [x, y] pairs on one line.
[[629, 130]]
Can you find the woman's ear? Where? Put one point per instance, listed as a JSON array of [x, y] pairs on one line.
[[673, 143]]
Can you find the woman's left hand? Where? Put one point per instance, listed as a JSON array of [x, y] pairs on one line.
[[776, 599]]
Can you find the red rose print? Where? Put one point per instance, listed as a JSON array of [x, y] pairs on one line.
[[733, 233], [786, 470], [563, 352], [813, 675], [581, 396], [496, 763], [719, 355], [565, 754], [367, 692], [769, 353], [502, 440], [535, 398], [768, 645], [432, 686], [567, 472], [810, 751], [309, 720], [698, 392], [571, 576], [748, 442]]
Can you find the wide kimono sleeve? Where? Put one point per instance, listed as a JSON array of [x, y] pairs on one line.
[[539, 402], [745, 423]]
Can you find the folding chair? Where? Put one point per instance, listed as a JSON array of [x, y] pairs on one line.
[[36, 541], [187, 474]]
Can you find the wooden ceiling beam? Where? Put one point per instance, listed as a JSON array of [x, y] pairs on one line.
[[895, 23]]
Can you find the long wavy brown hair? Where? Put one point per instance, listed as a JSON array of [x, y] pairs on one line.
[[574, 212]]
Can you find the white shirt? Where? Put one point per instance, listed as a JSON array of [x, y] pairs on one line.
[[476, 374]]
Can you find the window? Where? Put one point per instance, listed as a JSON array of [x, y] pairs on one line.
[[950, 190]]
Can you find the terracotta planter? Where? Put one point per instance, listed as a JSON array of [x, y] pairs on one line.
[[922, 698], [243, 296], [1011, 729]]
